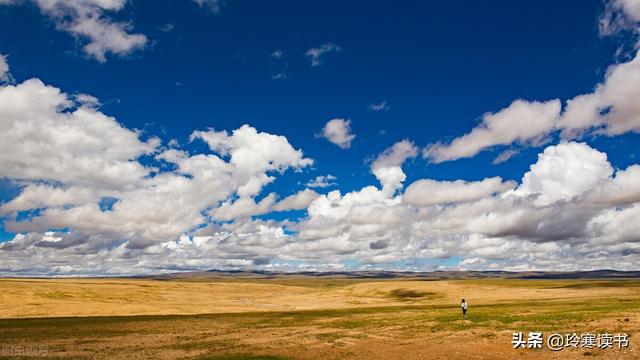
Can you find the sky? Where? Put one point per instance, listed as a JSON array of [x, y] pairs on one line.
[[143, 137]]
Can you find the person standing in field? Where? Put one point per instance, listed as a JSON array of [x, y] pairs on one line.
[[463, 305]]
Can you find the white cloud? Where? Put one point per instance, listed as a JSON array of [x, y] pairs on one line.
[[105, 37], [338, 131], [583, 225], [382, 106], [46, 137], [34, 196], [88, 19], [297, 201], [253, 154], [243, 208], [620, 15], [482, 220], [570, 211], [316, 54], [279, 76], [322, 181], [612, 108], [387, 167], [92, 21], [86, 100], [278, 65], [565, 171], [522, 122], [504, 156], [623, 189], [631, 8], [68, 156], [212, 5], [618, 228], [5, 76], [427, 192]]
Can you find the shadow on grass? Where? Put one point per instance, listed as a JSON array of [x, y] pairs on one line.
[[406, 294]]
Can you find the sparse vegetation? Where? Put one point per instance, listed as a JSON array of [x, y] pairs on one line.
[[320, 320]]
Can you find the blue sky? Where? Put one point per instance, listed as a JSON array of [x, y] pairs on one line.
[[438, 67]]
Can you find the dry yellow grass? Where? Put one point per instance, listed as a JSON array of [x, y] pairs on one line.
[[118, 297], [308, 318]]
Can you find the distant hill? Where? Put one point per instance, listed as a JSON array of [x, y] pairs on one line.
[[433, 275]]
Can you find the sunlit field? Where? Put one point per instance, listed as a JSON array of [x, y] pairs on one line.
[[309, 318]]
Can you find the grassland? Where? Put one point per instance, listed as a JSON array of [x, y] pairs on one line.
[[308, 318]]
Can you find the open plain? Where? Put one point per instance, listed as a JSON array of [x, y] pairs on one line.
[[307, 317]]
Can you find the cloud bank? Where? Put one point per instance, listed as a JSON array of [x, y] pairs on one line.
[[96, 198]]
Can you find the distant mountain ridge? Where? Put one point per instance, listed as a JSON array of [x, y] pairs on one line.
[[432, 275]]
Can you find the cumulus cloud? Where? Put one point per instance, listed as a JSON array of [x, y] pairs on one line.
[[322, 181], [45, 136], [89, 204], [623, 189], [338, 131], [253, 155], [317, 53], [486, 219], [581, 224], [68, 158], [387, 167], [89, 20], [565, 171]]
